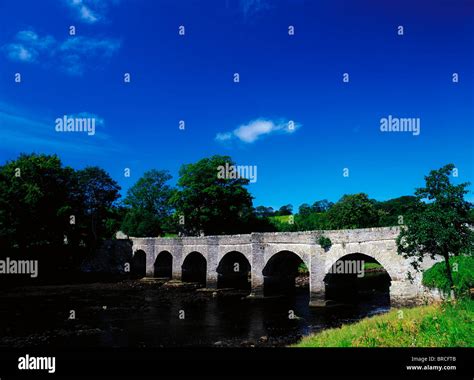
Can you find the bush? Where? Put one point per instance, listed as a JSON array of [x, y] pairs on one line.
[[462, 268], [303, 269], [324, 242]]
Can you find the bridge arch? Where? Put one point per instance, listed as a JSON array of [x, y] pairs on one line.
[[356, 277], [390, 260], [194, 268], [300, 250], [280, 272], [163, 266], [233, 271]]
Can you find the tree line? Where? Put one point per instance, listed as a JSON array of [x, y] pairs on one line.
[[43, 202], [351, 211]]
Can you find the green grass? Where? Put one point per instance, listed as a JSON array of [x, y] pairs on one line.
[[373, 266], [374, 270], [462, 268], [281, 218], [449, 324]]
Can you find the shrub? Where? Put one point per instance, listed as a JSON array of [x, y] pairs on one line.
[[303, 269], [324, 242], [462, 268]]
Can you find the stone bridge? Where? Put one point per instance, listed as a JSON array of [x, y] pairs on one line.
[[257, 253]]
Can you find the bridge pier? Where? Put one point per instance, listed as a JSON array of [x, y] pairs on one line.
[[257, 265], [150, 260], [317, 296], [257, 286], [176, 270], [212, 262]]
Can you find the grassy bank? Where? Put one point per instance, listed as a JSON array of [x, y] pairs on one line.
[[449, 324]]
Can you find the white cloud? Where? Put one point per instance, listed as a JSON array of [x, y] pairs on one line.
[[89, 11], [254, 130], [31, 38], [27, 36], [18, 52], [27, 46], [224, 136], [87, 14], [73, 55]]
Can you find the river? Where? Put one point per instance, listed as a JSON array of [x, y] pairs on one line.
[[136, 313]]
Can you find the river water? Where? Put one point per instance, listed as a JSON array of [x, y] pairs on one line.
[[137, 313]]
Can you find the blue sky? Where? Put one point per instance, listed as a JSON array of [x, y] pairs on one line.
[[282, 78]]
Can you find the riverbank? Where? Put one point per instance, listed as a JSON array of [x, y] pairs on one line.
[[448, 324]]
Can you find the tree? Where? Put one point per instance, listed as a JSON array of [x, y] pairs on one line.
[[394, 211], [53, 212], [115, 219], [141, 223], [322, 206], [305, 209], [353, 211], [148, 203], [210, 204], [98, 193], [35, 203], [264, 212], [312, 221], [285, 210], [440, 226]]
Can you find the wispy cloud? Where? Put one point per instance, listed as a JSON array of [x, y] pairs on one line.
[[73, 55], [74, 51], [28, 46], [90, 11], [23, 131], [256, 129]]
